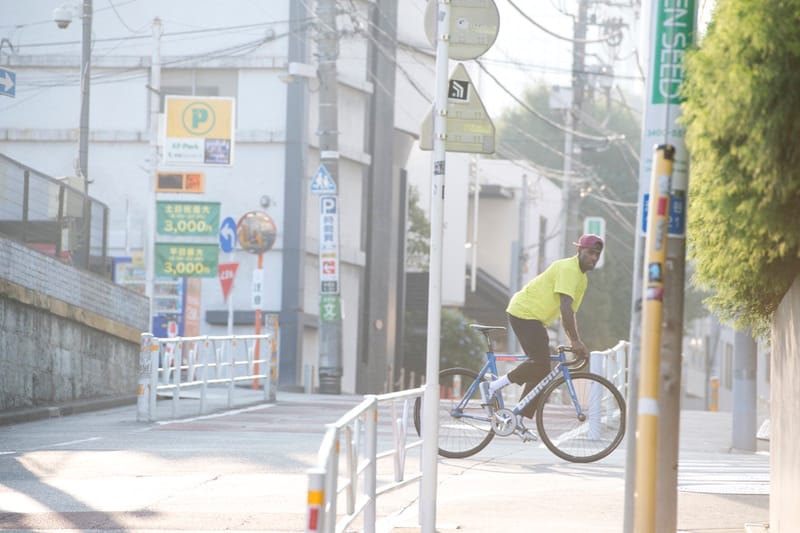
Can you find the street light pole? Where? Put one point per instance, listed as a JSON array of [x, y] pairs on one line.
[[86, 65]]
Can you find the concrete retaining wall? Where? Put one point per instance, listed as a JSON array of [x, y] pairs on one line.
[[784, 513], [65, 334]]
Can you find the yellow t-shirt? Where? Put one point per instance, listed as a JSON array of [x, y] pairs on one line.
[[539, 299]]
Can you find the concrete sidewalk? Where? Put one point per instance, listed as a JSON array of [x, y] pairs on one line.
[[515, 487]]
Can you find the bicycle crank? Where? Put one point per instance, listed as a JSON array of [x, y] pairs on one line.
[[504, 422]]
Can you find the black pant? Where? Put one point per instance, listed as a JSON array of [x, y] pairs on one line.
[[535, 342]]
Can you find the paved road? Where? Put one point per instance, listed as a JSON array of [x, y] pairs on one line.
[[103, 471], [245, 470]]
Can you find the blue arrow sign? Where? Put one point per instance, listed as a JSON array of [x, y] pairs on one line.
[[322, 182], [227, 235], [8, 82]]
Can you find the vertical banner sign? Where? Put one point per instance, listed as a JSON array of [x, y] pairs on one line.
[[199, 130], [329, 259], [673, 27]]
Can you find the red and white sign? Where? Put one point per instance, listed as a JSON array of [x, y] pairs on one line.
[[329, 267], [226, 272], [328, 245]]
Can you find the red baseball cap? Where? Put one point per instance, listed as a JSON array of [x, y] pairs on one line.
[[590, 240]]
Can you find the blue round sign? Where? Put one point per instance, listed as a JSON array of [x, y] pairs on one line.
[[227, 235]]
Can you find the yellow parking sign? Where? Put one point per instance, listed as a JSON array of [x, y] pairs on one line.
[[199, 130]]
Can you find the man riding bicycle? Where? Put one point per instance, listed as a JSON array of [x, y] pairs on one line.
[[557, 291]]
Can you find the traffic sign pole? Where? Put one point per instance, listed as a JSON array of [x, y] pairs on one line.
[[256, 349], [227, 242]]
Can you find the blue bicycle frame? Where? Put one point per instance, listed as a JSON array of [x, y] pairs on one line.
[[491, 367]]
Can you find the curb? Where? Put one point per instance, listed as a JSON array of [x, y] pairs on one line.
[[30, 414]]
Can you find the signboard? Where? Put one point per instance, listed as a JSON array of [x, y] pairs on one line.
[[198, 219], [330, 309], [189, 182], [469, 128], [186, 260], [328, 245], [199, 130], [258, 288], [672, 32], [227, 235], [322, 182], [473, 27], [226, 273], [597, 225], [8, 82], [257, 232]]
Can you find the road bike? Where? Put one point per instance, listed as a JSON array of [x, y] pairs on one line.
[[580, 416]]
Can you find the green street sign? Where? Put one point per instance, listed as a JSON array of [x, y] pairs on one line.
[[187, 219], [673, 37], [329, 307], [187, 260]]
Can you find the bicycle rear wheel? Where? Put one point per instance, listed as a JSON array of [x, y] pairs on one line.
[[465, 431], [585, 439]]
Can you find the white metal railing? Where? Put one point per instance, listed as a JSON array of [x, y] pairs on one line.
[[358, 431], [613, 365], [168, 366]]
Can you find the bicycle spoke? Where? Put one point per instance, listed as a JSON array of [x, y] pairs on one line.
[[578, 439], [466, 430]]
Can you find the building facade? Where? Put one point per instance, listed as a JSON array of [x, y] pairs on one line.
[[265, 57]]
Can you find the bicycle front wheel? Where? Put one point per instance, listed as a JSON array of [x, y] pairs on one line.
[[464, 429], [585, 437]]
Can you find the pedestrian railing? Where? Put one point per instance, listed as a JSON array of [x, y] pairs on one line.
[[354, 476], [222, 365], [613, 365]]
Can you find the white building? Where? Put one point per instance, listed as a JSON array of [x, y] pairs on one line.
[[263, 55], [266, 56]]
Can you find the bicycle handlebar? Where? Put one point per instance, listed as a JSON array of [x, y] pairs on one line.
[[577, 362]]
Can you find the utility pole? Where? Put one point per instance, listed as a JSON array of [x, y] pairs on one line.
[[330, 328], [660, 127], [569, 215], [155, 110], [745, 391], [83, 131]]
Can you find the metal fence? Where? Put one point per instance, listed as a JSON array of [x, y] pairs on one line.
[[53, 216], [354, 476], [197, 375]]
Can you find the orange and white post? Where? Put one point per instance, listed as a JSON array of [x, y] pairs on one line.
[[652, 310], [315, 516]]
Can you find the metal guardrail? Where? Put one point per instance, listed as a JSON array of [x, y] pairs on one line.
[[358, 431], [613, 365], [53, 216], [170, 366]]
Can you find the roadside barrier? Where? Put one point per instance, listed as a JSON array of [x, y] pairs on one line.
[[612, 364], [357, 430], [171, 366]]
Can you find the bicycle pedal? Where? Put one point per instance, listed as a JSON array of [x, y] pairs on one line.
[[527, 435]]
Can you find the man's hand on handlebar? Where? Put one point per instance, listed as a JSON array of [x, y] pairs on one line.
[[580, 349]]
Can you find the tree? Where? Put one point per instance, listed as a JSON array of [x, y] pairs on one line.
[[742, 117], [460, 345], [418, 233]]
